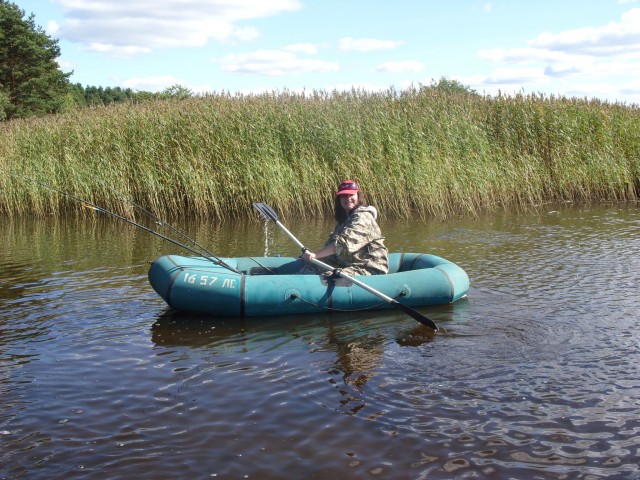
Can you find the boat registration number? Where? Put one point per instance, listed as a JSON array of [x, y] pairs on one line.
[[208, 280]]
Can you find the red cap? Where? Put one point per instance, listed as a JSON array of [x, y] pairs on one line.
[[348, 187]]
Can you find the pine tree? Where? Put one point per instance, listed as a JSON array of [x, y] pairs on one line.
[[31, 82]]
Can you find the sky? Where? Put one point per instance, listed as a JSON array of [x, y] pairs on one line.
[[573, 48]]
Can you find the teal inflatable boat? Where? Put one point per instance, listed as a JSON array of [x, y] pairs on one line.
[[260, 286]]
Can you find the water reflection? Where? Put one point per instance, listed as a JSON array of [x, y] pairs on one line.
[[12, 283], [534, 375], [358, 341]]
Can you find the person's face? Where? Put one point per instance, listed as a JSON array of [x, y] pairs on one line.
[[349, 201]]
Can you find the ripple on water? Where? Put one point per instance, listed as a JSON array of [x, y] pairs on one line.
[[532, 376]]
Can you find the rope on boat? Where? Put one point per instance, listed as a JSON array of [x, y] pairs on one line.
[[372, 307], [293, 296]]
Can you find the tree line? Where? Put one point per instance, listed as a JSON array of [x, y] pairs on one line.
[[93, 96], [31, 81]]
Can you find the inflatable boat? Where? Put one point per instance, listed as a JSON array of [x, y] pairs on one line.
[[262, 286]]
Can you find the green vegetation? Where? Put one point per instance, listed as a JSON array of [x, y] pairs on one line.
[[79, 96], [431, 151], [31, 82]]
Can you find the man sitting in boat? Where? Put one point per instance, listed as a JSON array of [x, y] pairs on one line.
[[356, 245]]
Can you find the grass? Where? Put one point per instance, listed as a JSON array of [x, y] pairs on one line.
[[424, 152]]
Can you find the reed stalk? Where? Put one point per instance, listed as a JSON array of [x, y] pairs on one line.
[[420, 152]]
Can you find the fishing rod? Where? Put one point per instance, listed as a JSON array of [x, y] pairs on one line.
[[162, 223], [93, 206], [203, 251]]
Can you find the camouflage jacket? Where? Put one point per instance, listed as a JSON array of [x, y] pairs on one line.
[[359, 243]]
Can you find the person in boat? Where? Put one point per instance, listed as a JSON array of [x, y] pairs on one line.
[[356, 245]]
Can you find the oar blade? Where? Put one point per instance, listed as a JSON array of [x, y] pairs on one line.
[[266, 211], [427, 322]]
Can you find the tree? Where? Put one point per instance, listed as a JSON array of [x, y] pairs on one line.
[[4, 104], [177, 91], [452, 86], [30, 77]]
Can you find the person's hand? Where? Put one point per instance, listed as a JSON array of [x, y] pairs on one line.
[[307, 256]]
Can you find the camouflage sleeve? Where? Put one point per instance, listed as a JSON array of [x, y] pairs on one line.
[[360, 230], [332, 237]]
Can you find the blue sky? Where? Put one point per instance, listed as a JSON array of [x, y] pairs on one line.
[[563, 47]]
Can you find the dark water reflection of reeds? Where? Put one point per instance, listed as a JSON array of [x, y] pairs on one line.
[[534, 375]]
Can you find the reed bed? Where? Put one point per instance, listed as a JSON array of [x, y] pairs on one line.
[[423, 152]]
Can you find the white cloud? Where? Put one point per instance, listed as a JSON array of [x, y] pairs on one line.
[[516, 76], [307, 48], [590, 61], [367, 44], [562, 70], [554, 63], [121, 51], [52, 28], [401, 67], [487, 7], [274, 63], [130, 27], [66, 66], [246, 34], [615, 38]]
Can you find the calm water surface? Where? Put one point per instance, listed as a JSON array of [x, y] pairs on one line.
[[535, 375]]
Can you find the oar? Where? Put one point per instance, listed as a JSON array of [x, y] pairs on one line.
[[268, 214]]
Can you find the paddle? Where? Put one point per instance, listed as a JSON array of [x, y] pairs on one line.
[[268, 214]]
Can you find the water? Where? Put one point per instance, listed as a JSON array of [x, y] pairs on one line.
[[534, 375]]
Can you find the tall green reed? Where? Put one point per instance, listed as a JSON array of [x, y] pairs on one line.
[[422, 152]]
